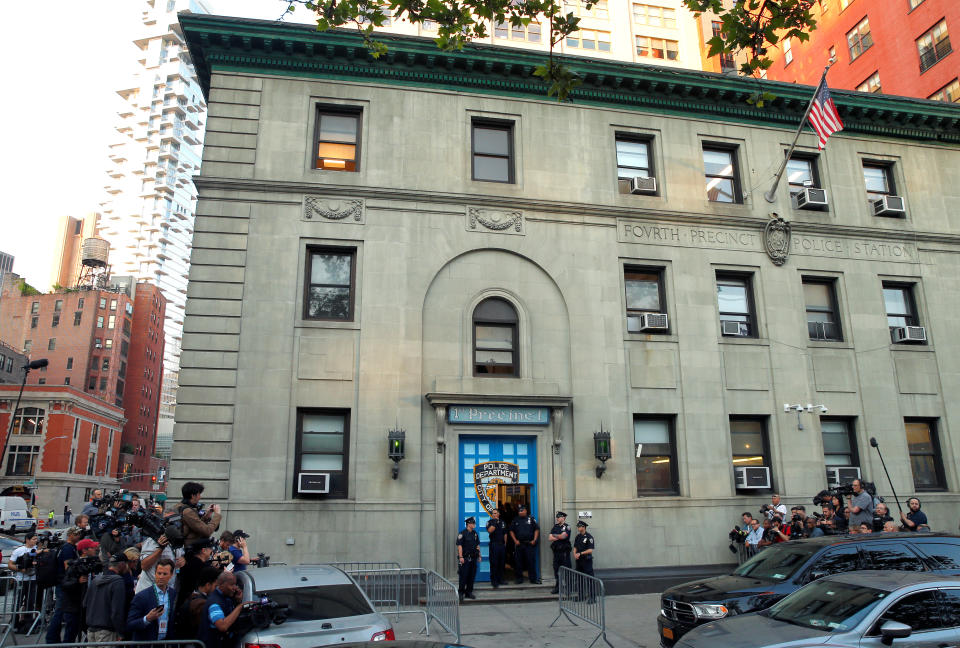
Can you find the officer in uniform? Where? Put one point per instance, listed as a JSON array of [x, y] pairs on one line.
[[497, 530], [583, 553], [525, 533], [468, 556], [560, 544]]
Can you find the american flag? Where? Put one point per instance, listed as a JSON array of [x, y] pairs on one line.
[[823, 114]]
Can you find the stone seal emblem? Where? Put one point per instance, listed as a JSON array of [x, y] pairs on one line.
[[488, 475], [776, 239]]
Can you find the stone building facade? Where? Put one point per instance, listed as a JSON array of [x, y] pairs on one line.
[[429, 243]]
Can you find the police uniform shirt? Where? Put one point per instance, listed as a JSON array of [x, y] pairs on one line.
[[470, 541], [524, 528], [561, 544], [499, 532], [582, 543]]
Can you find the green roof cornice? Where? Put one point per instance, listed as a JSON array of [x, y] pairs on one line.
[[269, 47]]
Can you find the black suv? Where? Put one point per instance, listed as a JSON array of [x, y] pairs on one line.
[[783, 568]]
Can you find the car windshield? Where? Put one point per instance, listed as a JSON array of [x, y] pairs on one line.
[[320, 601], [9, 543], [827, 606], [778, 562]]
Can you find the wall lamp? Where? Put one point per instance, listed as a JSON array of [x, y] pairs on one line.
[[601, 449], [396, 439]]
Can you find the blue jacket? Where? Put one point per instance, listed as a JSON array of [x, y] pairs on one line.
[[142, 603]]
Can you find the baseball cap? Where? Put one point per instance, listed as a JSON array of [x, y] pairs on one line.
[[131, 553], [87, 543]]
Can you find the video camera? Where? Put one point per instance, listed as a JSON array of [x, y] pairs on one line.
[[49, 542], [26, 561], [258, 615], [85, 566], [738, 536], [843, 490], [115, 511], [262, 560]]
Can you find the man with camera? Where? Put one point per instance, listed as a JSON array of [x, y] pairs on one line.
[[105, 602], [66, 554], [151, 611], [221, 613], [774, 508], [236, 544], [74, 586], [198, 525], [754, 536], [22, 563], [881, 515], [861, 506], [93, 506]]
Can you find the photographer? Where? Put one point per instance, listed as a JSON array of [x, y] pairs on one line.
[[78, 573], [152, 551], [774, 508], [222, 612], [812, 529], [66, 554], [798, 522], [197, 525], [755, 536], [861, 506], [23, 563], [881, 515], [93, 506], [196, 558], [105, 602]]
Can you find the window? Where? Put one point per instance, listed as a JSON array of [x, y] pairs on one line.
[[103, 383], [21, 459], [859, 39], [787, 51], [735, 304], [722, 176], [748, 437], [97, 343], [34, 321], [934, 45], [654, 16], [579, 8], [872, 84], [80, 304], [9, 364], [112, 322], [920, 611], [495, 338], [66, 381], [27, 346], [914, 3], [330, 284], [77, 317], [100, 321], [658, 48], [802, 172], [590, 39], [55, 321], [69, 363], [92, 383], [58, 305], [42, 381], [727, 64], [322, 445], [28, 420], [823, 315], [832, 53], [838, 560], [925, 459], [949, 93], [493, 157], [878, 179], [644, 294], [108, 344], [337, 139], [633, 159], [839, 443], [654, 446], [106, 365], [103, 302], [844, 4], [900, 305], [529, 32], [884, 555], [51, 344], [948, 555], [113, 304]]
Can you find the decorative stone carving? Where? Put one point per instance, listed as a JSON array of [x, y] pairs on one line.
[[556, 424], [494, 220], [441, 413], [776, 239], [333, 209]]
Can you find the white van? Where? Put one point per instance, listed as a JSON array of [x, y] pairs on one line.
[[14, 515]]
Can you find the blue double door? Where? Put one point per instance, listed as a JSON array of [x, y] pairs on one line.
[[496, 471]]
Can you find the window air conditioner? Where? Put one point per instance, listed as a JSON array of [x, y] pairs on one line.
[[313, 482], [811, 198], [889, 206], [653, 322], [752, 476], [733, 328], [643, 185], [902, 334], [837, 475]]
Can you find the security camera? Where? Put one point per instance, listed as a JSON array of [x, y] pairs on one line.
[[823, 409], [809, 407], [786, 407]]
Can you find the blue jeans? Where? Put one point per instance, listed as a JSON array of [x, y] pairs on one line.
[[56, 619]]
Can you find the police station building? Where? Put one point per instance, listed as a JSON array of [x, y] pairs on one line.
[[421, 288]]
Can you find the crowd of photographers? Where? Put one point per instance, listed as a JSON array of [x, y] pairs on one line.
[[130, 572], [863, 512]]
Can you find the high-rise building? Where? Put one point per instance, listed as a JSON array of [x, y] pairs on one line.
[[897, 47], [148, 214], [67, 259], [6, 262]]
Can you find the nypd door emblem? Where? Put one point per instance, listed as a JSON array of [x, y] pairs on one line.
[[486, 477]]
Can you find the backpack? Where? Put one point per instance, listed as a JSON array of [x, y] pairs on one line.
[[47, 569]]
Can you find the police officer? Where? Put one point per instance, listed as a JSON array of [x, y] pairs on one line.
[[468, 556], [560, 544], [497, 530], [583, 553], [525, 533]]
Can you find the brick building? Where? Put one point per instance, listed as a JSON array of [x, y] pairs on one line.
[[106, 343], [898, 47], [64, 440]]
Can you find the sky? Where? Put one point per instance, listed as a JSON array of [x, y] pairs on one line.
[[62, 69]]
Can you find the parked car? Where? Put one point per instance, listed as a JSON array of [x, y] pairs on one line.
[[14, 515], [784, 568], [325, 607], [865, 609], [7, 545]]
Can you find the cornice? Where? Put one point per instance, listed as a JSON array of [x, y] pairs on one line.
[[605, 215], [277, 48]]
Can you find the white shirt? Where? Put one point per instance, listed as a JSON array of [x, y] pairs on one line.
[[146, 576], [19, 551], [779, 508]]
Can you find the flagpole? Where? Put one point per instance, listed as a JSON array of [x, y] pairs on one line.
[[771, 195]]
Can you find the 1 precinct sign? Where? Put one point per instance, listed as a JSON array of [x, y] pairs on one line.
[[496, 415], [486, 477]]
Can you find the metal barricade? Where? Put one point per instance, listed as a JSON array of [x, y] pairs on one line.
[[20, 607], [583, 597], [412, 591], [357, 566]]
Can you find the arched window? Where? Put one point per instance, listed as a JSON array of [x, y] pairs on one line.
[[495, 349]]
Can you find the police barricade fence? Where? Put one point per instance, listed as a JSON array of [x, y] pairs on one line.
[[21, 606], [412, 590], [582, 596]]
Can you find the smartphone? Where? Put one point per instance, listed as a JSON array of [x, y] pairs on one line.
[[159, 608]]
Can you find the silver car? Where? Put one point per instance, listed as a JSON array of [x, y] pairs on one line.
[[866, 609], [325, 607]]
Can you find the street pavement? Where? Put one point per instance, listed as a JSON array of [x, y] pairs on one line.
[[631, 622]]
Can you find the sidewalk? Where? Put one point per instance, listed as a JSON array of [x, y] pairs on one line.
[[631, 622]]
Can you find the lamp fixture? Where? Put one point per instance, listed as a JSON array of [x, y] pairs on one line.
[[601, 449], [396, 440]]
